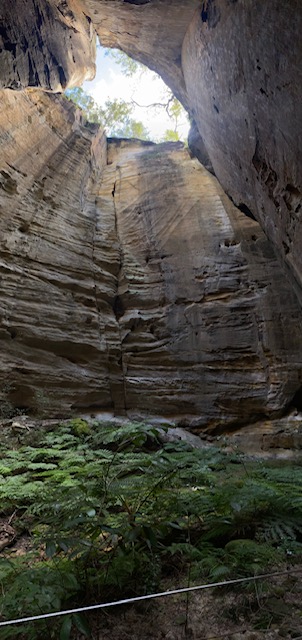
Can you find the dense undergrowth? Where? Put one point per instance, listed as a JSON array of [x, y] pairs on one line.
[[113, 512]]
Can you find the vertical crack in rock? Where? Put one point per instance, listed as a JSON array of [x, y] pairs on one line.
[[95, 273], [118, 306], [105, 267]]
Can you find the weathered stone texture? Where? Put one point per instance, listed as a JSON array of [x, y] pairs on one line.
[[53, 289], [235, 64], [129, 281], [202, 297], [242, 63], [45, 43]]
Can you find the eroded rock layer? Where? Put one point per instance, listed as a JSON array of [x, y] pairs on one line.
[[201, 297], [53, 287], [130, 282]]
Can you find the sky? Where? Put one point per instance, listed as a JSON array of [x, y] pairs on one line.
[[145, 88]]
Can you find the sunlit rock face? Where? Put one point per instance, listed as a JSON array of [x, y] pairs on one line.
[[130, 282], [53, 286], [45, 43]]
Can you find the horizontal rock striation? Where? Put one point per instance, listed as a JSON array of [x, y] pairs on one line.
[[53, 288], [208, 323], [235, 65], [130, 282]]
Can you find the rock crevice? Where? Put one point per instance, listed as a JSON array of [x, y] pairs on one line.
[[119, 397]]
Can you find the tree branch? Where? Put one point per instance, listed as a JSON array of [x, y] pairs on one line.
[[166, 105]]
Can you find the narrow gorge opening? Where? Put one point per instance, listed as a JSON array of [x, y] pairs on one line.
[[130, 101], [150, 331]]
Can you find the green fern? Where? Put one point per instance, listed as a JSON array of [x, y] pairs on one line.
[[117, 509]]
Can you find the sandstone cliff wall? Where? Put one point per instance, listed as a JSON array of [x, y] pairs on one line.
[[237, 67], [51, 344], [235, 64], [129, 281]]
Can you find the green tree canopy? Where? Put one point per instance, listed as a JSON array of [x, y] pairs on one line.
[[114, 116], [168, 102]]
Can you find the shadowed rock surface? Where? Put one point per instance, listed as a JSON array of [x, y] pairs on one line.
[[129, 281], [242, 63], [45, 43]]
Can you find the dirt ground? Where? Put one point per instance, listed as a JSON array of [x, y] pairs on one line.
[[263, 611]]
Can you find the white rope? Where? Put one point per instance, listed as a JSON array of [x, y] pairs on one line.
[[147, 597]]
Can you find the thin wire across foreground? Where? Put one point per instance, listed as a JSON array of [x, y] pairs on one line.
[[148, 597]]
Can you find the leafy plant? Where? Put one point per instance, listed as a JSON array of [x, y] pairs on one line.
[[115, 116], [110, 511]]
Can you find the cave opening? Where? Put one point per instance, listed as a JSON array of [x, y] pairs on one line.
[[297, 400]]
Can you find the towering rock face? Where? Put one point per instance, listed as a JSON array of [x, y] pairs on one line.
[[242, 63], [129, 281], [235, 64], [45, 43], [237, 67], [53, 348]]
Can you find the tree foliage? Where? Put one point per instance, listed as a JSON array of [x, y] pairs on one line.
[[128, 65], [114, 116], [168, 102]]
